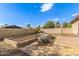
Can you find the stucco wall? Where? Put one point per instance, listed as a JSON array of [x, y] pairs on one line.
[[67, 30], [58, 30], [52, 30], [75, 27]]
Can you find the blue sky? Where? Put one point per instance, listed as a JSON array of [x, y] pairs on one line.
[[37, 13]]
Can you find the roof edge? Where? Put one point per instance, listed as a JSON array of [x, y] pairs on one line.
[[75, 19]]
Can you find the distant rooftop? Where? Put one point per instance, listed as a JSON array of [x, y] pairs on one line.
[[10, 26]]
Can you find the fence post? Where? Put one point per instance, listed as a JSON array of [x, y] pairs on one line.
[[61, 29]]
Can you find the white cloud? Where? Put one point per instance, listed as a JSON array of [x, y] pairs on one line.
[[56, 19], [75, 14], [47, 6], [27, 23]]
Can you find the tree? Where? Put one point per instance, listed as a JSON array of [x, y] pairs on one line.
[[58, 25], [29, 26], [6, 25], [69, 25], [49, 24], [66, 25]]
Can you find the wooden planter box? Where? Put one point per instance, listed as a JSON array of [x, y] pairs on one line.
[[20, 42]]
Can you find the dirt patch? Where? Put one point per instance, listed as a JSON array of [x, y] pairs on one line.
[[4, 46], [13, 52], [36, 50]]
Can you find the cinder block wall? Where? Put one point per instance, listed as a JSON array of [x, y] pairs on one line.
[[14, 32], [52, 30], [58, 30], [67, 30]]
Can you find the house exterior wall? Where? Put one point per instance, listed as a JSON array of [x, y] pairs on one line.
[[75, 27]]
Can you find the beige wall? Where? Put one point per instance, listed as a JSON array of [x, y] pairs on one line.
[[75, 27], [14, 32], [67, 30], [52, 30], [57, 30]]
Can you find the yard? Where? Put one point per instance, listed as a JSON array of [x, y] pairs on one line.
[[64, 45]]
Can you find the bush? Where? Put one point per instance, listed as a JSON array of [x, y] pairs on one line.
[[37, 30]]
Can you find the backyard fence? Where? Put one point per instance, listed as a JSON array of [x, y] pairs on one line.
[[58, 30]]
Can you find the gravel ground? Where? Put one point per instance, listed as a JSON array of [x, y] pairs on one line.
[[8, 50], [13, 52], [36, 50]]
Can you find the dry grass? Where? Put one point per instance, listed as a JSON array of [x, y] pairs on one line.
[[14, 32]]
